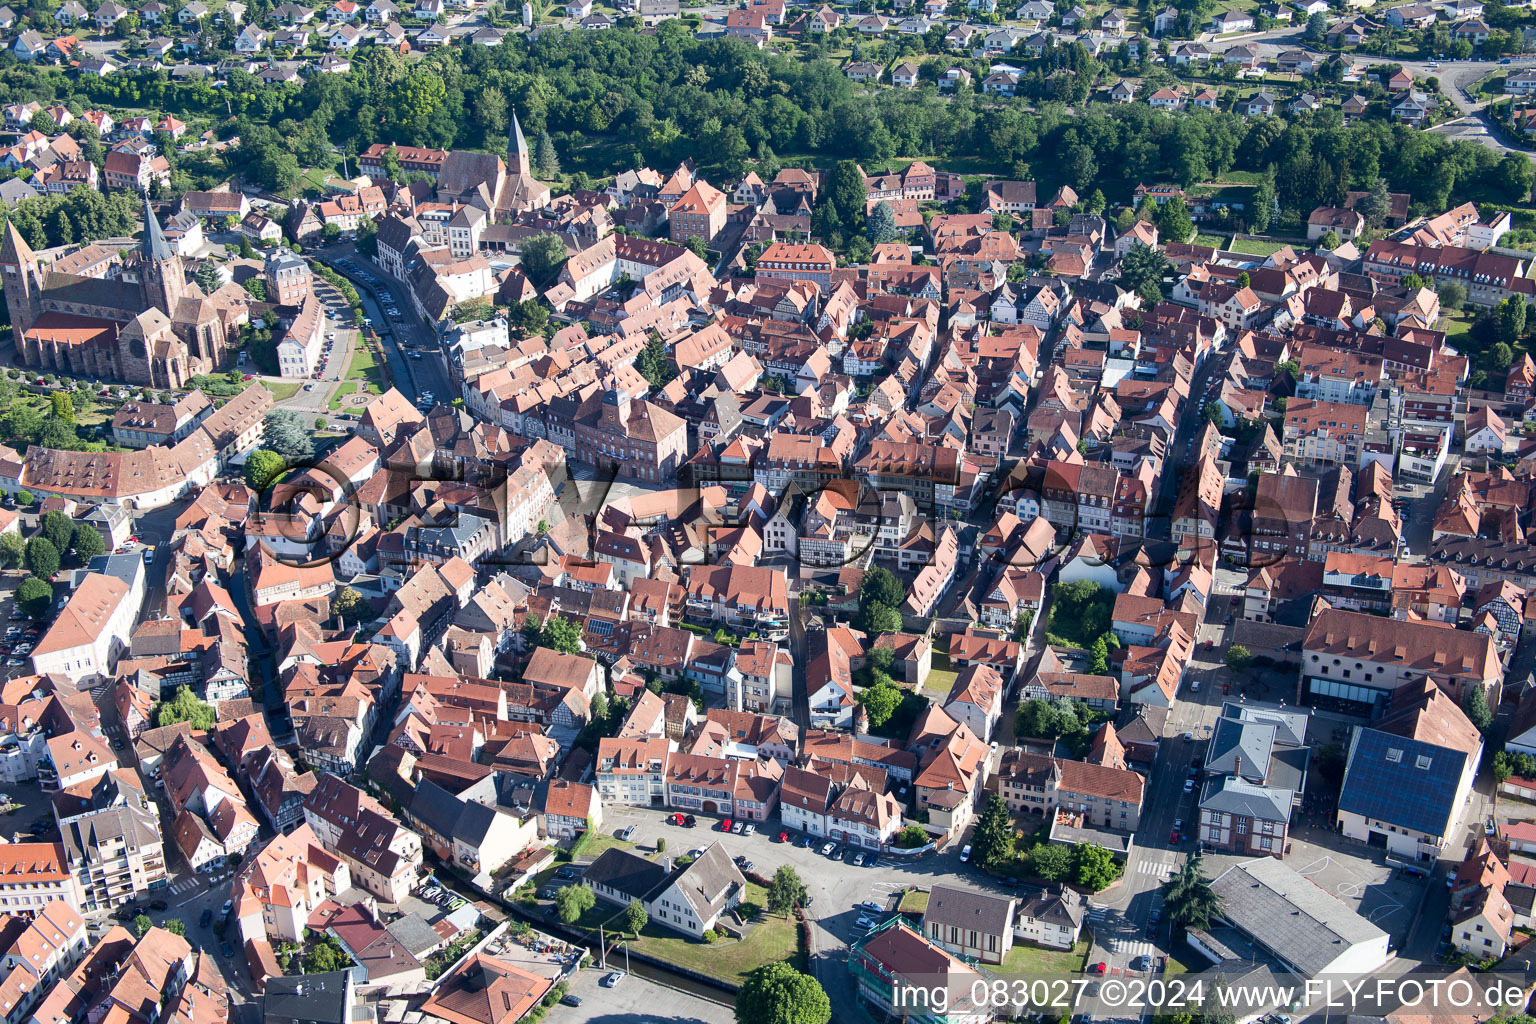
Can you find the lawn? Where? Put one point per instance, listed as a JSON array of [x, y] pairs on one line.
[[914, 901], [1257, 246], [942, 676], [1458, 323], [363, 367], [282, 389], [771, 940], [1184, 960], [1026, 959], [342, 391], [1214, 241], [606, 841]]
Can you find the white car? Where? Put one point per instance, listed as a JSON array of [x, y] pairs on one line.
[[965, 854], [827, 848], [611, 979], [749, 830], [865, 922], [1189, 785]]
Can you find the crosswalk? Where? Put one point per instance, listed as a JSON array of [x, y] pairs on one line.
[[1156, 868], [185, 885]]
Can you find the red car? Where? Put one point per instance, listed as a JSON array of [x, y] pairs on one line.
[[675, 819], [782, 837], [1099, 968], [249, 376], [1173, 839], [725, 826]]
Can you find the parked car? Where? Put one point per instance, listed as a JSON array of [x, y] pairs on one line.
[[725, 826], [965, 854], [206, 919], [612, 979], [827, 848]]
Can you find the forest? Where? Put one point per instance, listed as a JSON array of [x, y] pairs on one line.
[[618, 99]]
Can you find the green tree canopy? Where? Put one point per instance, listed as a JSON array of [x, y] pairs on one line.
[[635, 916], [1188, 896], [184, 707], [350, 606], [542, 258], [42, 557], [992, 841], [573, 901], [34, 596], [786, 891], [58, 528], [12, 549], [285, 432], [881, 701], [262, 467], [779, 994], [87, 542]]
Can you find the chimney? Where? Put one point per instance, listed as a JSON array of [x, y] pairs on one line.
[[1237, 766]]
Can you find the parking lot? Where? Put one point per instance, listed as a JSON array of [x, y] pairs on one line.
[[636, 1000]]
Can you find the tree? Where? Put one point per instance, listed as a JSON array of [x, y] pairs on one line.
[[184, 707], [573, 901], [560, 634], [635, 916], [323, 958], [542, 258], [87, 542], [1317, 27], [992, 842], [61, 407], [58, 528], [1376, 205], [546, 163], [881, 701], [877, 618], [1093, 867], [1188, 896], [786, 891], [141, 925], [1238, 657], [1329, 241], [350, 606], [285, 432], [698, 246], [12, 548], [25, 498], [1475, 704], [1143, 265], [881, 586], [207, 278], [661, 844], [42, 557], [262, 468], [654, 364], [1501, 356], [1173, 221], [34, 596], [882, 224], [176, 926], [1050, 862], [1511, 319], [1453, 295], [846, 196], [911, 836], [778, 994]]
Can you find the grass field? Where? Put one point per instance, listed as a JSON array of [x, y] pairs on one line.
[[942, 676], [1214, 241], [1257, 246], [281, 389], [342, 391], [1457, 324], [1027, 959], [914, 901], [604, 841], [363, 368]]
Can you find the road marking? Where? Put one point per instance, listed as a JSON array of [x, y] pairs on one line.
[[1315, 866], [189, 899]]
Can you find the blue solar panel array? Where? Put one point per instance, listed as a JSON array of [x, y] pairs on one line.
[[1401, 793]]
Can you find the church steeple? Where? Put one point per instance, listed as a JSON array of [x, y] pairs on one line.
[[160, 270], [22, 281], [517, 150], [155, 248]]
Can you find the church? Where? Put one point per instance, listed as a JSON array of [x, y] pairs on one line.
[[131, 315], [482, 180]]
